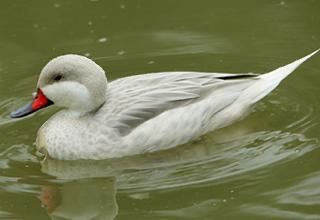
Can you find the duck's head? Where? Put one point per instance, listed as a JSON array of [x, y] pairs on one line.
[[69, 81]]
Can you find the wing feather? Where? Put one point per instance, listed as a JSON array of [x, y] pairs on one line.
[[134, 100]]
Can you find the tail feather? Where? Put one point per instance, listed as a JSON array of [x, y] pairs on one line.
[[269, 81], [282, 72]]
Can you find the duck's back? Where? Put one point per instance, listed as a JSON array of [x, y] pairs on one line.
[[161, 110]]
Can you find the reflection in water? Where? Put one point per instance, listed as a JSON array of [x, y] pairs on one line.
[[87, 189], [95, 182], [195, 211], [5, 215], [275, 213], [81, 199], [200, 161], [303, 193]]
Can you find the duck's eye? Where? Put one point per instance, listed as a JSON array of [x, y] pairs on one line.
[[58, 77]]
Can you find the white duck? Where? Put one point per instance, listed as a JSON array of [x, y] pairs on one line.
[[141, 113]]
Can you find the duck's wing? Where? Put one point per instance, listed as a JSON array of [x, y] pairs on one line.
[[134, 100]]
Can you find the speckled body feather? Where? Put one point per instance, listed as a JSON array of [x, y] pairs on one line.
[[155, 111]]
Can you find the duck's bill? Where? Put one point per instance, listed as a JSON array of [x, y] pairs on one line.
[[39, 102]]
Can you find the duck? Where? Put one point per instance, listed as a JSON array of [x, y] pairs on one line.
[[139, 113]]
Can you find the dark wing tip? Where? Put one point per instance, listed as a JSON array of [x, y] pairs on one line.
[[238, 76]]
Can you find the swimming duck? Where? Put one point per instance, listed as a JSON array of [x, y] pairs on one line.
[[140, 113]]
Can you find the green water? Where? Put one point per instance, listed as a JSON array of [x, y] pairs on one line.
[[263, 167]]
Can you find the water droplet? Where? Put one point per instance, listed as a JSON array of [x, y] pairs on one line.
[[121, 52], [140, 196], [102, 40], [282, 3], [57, 5]]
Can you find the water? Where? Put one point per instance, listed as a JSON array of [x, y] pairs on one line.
[[263, 167]]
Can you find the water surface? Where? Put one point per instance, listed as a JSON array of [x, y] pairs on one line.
[[263, 167]]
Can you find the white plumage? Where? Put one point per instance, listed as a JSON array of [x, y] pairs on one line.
[[142, 113]]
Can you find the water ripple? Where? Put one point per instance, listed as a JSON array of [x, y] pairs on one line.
[[274, 212], [196, 163]]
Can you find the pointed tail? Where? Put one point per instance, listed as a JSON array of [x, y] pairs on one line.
[[269, 81], [282, 72]]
